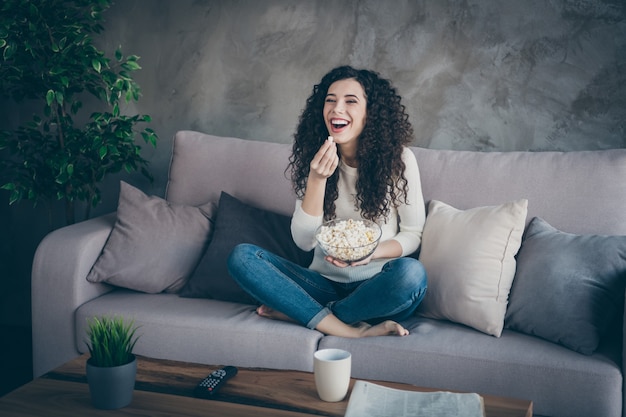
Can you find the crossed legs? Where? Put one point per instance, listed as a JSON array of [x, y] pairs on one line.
[[289, 292]]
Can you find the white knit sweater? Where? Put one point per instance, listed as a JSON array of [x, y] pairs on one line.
[[404, 224]]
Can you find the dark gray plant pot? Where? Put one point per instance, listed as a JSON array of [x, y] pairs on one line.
[[111, 388]]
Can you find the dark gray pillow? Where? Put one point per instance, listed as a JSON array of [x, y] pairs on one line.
[[567, 287], [237, 222], [154, 245]]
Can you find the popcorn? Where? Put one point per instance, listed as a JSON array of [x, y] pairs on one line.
[[348, 240]]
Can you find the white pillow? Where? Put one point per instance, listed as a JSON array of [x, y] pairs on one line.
[[469, 258]]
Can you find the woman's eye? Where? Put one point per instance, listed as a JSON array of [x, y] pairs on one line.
[[330, 100]]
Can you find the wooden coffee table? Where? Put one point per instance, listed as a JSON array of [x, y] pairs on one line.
[[166, 388]]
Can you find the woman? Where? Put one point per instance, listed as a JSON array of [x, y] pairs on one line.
[[365, 171]]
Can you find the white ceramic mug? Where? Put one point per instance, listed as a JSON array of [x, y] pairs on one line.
[[332, 369]]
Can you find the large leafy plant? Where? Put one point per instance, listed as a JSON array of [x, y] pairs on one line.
[[111, 341], [48, 59]]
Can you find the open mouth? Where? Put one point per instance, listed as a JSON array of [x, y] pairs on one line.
[[338, 124]]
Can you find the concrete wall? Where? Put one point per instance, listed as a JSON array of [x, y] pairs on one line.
[[492, 75]]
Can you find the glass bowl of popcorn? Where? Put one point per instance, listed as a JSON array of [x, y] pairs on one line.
[[348, 240]]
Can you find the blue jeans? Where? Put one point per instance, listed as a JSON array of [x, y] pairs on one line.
[[307, 297]]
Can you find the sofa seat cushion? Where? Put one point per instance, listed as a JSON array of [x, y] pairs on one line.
[[446, 355], [204, 331]]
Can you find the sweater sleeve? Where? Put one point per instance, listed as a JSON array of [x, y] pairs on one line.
[[303, 227], [412, 215]]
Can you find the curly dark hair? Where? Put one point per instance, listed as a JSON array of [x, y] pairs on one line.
[[381, 182]]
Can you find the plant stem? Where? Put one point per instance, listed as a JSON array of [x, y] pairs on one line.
[[69, 211]]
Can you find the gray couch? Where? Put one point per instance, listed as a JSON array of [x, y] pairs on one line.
[[578, 192]]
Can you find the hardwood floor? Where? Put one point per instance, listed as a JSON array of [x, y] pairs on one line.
[[16, 367]]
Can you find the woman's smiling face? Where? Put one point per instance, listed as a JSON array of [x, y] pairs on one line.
[[345, 110]]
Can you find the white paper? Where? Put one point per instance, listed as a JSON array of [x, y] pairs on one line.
[[373, 400]]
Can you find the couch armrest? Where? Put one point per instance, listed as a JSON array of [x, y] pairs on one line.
[[59, 286]]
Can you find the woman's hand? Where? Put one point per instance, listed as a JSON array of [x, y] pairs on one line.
[[325, 161], [342, 264], [322, 166], [387, 249]]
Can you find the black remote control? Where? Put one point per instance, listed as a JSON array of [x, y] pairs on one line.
[[210, 385]]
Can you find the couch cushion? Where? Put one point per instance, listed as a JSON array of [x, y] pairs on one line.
[[564, 188], [469, 257], [237, 222], [204, 331], [568, 287], [577, 192], [154, 245], [445, 355], [253, 171]]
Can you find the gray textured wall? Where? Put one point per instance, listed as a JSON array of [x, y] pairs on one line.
[[477, 75]]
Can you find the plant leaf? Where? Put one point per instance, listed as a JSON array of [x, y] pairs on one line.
[[50, 95], [9, 51], [96, 65]]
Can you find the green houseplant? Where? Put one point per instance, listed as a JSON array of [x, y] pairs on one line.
[[80, 133], [111, 341], [112, 366]]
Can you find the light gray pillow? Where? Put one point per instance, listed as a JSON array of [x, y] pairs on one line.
[[154, 245], [567, 287]]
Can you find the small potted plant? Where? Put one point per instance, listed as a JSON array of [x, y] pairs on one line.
[[112, 367]]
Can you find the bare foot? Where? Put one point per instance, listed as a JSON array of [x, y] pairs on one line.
[[386, 328], [270, 313], [331, 325]]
